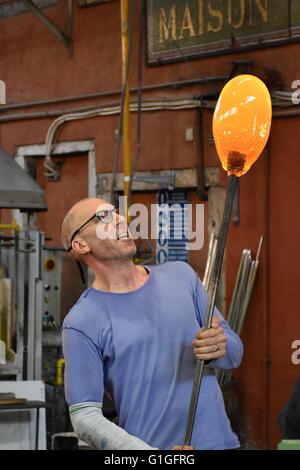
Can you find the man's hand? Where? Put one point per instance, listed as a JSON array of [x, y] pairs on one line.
[[210, 344], [185, 447]]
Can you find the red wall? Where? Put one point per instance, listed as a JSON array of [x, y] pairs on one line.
[[36, 66]]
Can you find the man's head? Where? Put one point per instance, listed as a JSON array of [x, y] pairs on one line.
[[93, 230]]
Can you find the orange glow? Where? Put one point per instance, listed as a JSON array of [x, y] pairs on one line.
[[242, 123]]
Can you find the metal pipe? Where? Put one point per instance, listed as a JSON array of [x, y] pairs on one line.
[[246, 299], [241, 289], [51, 168], [114, 109], [104, 94], [287, 113], [201, 186], [234, 306], [29, 116], [70, 26], [232, 184], [212, 262], [126, 113], [12, 226], [208, 261], [138, 150], [59, 370], [249, 288], [221, 374], [235, 290]]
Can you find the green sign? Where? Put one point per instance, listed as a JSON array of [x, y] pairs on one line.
[[187, 28]]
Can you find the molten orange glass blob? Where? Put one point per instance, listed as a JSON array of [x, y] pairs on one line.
[[242, 123]]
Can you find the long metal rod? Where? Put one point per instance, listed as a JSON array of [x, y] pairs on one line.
[[232, 184], [125, 76], [250, 285], [201, 186], [242, 289], [221, 373], [235, 290], [70, 27], [139, 97], [126, 114], [209, 261], [224, 376]]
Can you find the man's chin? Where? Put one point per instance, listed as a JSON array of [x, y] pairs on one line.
[[128, 247]]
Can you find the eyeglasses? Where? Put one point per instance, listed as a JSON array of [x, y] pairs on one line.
[[105, 216]]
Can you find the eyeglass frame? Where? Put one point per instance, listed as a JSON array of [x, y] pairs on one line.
[[111, 211]]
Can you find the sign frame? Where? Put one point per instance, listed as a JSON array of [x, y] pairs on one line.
[[229, 45]]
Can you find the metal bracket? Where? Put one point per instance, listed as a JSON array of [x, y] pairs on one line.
[[26, 243], [166, 180], [66, 39]]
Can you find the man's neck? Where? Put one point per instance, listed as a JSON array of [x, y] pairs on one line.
[[116, 276]]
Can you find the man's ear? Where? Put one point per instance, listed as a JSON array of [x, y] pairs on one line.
[[80, 246]]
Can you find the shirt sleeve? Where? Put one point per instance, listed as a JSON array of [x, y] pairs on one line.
[[83, 368], [234, 349], [90, 425]]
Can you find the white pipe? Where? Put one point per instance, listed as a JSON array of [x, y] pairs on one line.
[[108, 111]]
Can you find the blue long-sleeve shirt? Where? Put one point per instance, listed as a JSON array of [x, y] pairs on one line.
[[137, 347]]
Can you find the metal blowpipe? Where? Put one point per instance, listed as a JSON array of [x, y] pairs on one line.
[[232, 184]]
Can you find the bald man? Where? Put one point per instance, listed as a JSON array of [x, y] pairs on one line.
[[135, 335]]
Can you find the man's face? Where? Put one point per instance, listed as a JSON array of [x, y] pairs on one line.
[[107, 235]]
